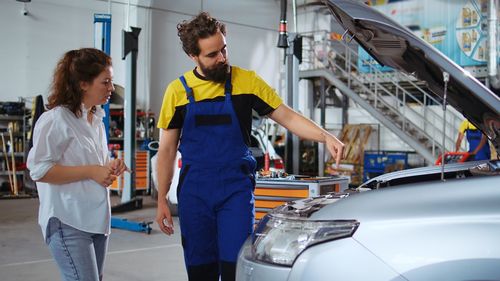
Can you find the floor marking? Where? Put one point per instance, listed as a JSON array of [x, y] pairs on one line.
[[109, 253], [144, 249]]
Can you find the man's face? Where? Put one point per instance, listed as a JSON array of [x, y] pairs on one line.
[[212, 61]]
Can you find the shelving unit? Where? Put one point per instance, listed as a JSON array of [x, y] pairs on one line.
[[142, 172], [142, 156], [14, 128]]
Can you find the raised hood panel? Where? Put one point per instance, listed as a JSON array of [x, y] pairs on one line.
[[394, 45]]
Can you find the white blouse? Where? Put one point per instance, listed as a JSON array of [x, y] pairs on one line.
[[62, 138]]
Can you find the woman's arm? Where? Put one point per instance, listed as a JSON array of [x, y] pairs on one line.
[[59, 174]]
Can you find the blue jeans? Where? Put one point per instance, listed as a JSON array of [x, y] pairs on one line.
[[78, 254]]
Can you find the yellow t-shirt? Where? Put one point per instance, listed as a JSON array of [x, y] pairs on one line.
[[466, 125], [250, 92]]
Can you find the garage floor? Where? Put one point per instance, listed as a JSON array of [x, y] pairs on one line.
[[131, 255]]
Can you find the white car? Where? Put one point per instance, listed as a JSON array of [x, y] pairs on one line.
[[259, 145], [423, 229], [172, 193]]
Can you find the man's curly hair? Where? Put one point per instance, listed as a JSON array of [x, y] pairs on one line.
[[200, 27]]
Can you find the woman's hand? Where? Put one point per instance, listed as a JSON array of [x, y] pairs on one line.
[[103, 175], [118, 167]]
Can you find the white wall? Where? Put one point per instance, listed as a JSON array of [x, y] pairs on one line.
[[31, 45], [37, 41]]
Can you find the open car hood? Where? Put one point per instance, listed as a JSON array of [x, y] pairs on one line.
[[434, 173], [393, 45]]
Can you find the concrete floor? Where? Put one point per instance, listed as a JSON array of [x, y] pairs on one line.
[[131, 256]]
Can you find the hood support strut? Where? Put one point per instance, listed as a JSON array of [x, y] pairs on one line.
[[494, 76]]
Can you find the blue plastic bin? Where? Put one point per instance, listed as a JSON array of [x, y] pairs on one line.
[[376, 162]]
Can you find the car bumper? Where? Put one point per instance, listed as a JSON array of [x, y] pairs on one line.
[[339, 260], [249, 270]]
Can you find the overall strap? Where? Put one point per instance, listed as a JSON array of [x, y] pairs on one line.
[[189, 91], [228, 87]]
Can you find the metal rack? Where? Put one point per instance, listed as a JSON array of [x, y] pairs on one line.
[[14, 129]]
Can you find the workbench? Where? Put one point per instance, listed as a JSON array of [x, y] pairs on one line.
[[273, 192]]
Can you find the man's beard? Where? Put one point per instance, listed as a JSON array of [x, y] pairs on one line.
[[218, 73]]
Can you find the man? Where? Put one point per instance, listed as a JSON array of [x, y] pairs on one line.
[[207, 114], [478, 143]]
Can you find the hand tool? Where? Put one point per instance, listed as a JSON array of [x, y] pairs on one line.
[[14, 176], [7, 163]]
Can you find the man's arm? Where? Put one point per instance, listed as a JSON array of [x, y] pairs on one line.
[[166, 162], [482, 143], [460, 137], [307, 129]]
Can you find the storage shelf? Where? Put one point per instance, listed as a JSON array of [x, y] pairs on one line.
[[15, 122], [4, 117], [6, 173], [6, 134], [16, 154], [121, 139]]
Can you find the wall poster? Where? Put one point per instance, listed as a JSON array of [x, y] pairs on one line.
[[457, 28]]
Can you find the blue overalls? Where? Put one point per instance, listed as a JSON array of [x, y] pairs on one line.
[[474, 138], [215, 191]]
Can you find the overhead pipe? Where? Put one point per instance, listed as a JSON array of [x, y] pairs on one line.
[[283, 34], [494, 76]]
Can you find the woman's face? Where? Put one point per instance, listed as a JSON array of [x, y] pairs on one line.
[[99, 90]]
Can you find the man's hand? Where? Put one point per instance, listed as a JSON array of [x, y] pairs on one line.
[[164, 218], [335, 147], [307, 129]]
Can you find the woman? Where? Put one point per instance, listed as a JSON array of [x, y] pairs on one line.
[[70, 163]]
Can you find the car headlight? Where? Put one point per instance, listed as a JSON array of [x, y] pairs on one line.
[[280, 240]]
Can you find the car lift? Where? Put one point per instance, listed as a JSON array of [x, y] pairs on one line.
[[102, 37], [130, 225]]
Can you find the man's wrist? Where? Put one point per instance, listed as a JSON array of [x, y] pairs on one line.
[[325, 136], [162, 200]]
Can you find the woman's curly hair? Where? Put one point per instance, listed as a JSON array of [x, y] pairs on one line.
[[76, 66], [200, 27]]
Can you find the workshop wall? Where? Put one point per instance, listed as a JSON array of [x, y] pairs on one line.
[[36, 41], [32, 44]]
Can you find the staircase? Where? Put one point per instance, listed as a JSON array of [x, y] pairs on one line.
[[398, 101]]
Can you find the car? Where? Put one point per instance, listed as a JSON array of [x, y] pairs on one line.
[[412, 226], [259, 146], [429, 223]]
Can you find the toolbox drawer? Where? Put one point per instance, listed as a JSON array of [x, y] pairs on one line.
[[141, 172], [273, 192]]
